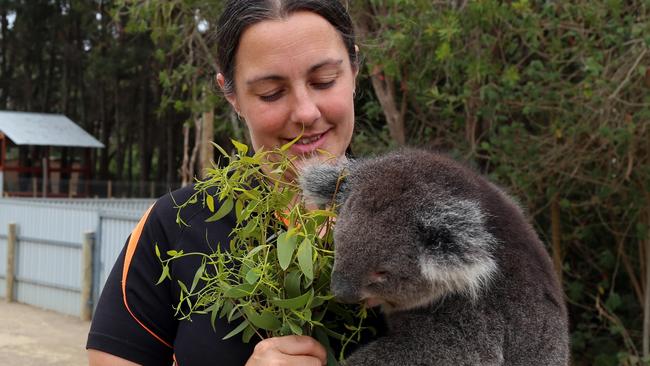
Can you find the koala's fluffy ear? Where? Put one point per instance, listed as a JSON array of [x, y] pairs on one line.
[[323, 183]]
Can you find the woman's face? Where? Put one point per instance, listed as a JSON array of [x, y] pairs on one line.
[[293, 77]]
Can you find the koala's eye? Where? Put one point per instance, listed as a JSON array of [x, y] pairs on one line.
[[436, 238]]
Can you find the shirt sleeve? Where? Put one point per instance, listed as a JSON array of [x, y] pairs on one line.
[[134, 318]]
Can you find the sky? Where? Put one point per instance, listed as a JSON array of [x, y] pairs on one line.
[[11, 17]]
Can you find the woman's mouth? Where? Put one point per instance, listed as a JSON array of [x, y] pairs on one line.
[[309, 144], [309, 140]]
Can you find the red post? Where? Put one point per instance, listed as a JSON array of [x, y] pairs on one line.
[[3, 149]]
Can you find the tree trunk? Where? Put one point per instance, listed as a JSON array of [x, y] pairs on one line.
[[189, 159], [207, 136], [129, 164], [170, 151], [4, 69], [384, 87], [195, 150], [146, 145], [103, 133]]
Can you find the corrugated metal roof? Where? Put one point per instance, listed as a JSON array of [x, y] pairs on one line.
[[44, 129]]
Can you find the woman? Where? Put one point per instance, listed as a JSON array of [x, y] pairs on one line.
[[288, 67]]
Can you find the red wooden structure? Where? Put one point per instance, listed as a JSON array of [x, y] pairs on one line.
[[44, 155]]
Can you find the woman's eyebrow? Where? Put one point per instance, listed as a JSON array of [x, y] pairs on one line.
[[328, 62], [273, 77]]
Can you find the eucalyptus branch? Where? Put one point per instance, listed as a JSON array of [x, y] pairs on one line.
[[274, 277]]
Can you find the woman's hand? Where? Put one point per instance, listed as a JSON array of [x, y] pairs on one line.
[[288, 350]]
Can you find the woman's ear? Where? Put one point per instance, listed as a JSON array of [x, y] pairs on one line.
[[230, 96], [358, 64]]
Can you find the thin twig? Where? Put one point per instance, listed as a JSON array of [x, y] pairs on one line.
[[629, 74]]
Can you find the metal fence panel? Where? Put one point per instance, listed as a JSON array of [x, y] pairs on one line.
[[66, 302], [3, 260], [48, 252], [49, 276], [53, 222], [114, 230], [47, 263], [109, 204]]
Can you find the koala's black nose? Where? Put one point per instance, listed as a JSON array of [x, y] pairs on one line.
[[344, 289]]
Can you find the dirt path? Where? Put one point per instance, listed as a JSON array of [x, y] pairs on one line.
[[30, 336]]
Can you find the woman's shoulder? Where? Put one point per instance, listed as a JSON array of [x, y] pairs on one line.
[[181, 206], [181, 219]]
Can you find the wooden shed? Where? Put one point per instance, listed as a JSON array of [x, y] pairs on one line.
[[44, 155]]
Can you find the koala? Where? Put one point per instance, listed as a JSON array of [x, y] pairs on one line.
[[456, 267]]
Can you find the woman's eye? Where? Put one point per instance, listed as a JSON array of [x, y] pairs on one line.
[[271, 97], [323, 85]]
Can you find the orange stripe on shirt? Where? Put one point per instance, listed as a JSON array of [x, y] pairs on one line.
[[130, 251]]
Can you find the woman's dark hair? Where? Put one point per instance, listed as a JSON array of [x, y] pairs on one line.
[[238, 15]]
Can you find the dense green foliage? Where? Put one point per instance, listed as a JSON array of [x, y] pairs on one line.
[[549, 98], [552, 100], [274, 278]]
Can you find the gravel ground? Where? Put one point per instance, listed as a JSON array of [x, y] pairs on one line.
[[31, 336]]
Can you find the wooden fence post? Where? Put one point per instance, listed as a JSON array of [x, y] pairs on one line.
[[11, 255], [87, 275]]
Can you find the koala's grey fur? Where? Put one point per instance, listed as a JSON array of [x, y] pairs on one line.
[[459, 271]]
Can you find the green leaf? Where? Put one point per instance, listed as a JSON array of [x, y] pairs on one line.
[[322, 338], [221, 150], [286, 146], [209, 200], [443, 51], [253, 275], [266, 320], [249, 332], [286, 247], [239, 207], [238, 291], [305, 259], [225, 208], [242, 149], [183, 288], [320, 300], [226, 308], [292, 284], [295, 328], [197, 276], [254, 251], [240, 328], [294, 303], [164, 274], [322, 213], [613, 302], [214, 311]]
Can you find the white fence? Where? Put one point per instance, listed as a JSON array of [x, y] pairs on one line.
[[47, 256]]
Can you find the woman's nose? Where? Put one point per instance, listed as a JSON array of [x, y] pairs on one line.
[[305, 109]]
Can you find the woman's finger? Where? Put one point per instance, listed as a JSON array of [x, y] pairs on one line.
[[300, 345], [288, 350]]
